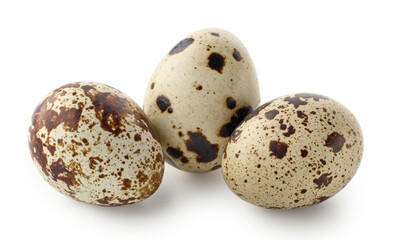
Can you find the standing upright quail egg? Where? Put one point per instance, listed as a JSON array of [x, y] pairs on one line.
[[198, 94], [93, 143], [295, 151]]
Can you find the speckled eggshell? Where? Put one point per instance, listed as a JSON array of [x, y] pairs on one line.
[[93, 143], [295, 151], [199, 93]]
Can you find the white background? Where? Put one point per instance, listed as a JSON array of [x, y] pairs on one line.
[[342, 49]]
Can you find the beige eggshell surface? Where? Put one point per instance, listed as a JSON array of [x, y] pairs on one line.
[[93, 143], [198, 94], [295, 151]]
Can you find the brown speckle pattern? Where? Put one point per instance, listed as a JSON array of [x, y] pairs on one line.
[[93, 143], [296, 151]]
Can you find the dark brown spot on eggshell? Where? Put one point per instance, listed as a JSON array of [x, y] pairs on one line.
[[271, 114], [291, 131], [137, 137], [94, 161], [50, 119], [216, 62], [51, 149], [61, 172], [216, 167], [142, 177], [110, 109], [105, 200], [199, 144], [87, 88], [302, 115], [278, 149], [126, 184], [297, 101], [231, 103], [323, 180], [303, 153], [236, 119], [60, 142], [335, 141], [321, 199], [183, 44], [152, 86], [215, 34], [158, 157], [163, 103], [155, 180], [174, 152], [125, 201], [256, 111], [236, 55]]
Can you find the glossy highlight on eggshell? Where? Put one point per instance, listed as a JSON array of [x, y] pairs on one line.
[[93, 143], [294, 151], [198, 94]]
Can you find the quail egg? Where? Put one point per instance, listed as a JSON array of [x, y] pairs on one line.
[[93, 143], [295, 151], [198, 94]]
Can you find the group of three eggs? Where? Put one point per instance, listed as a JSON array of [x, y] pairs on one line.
[[201, 113]]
